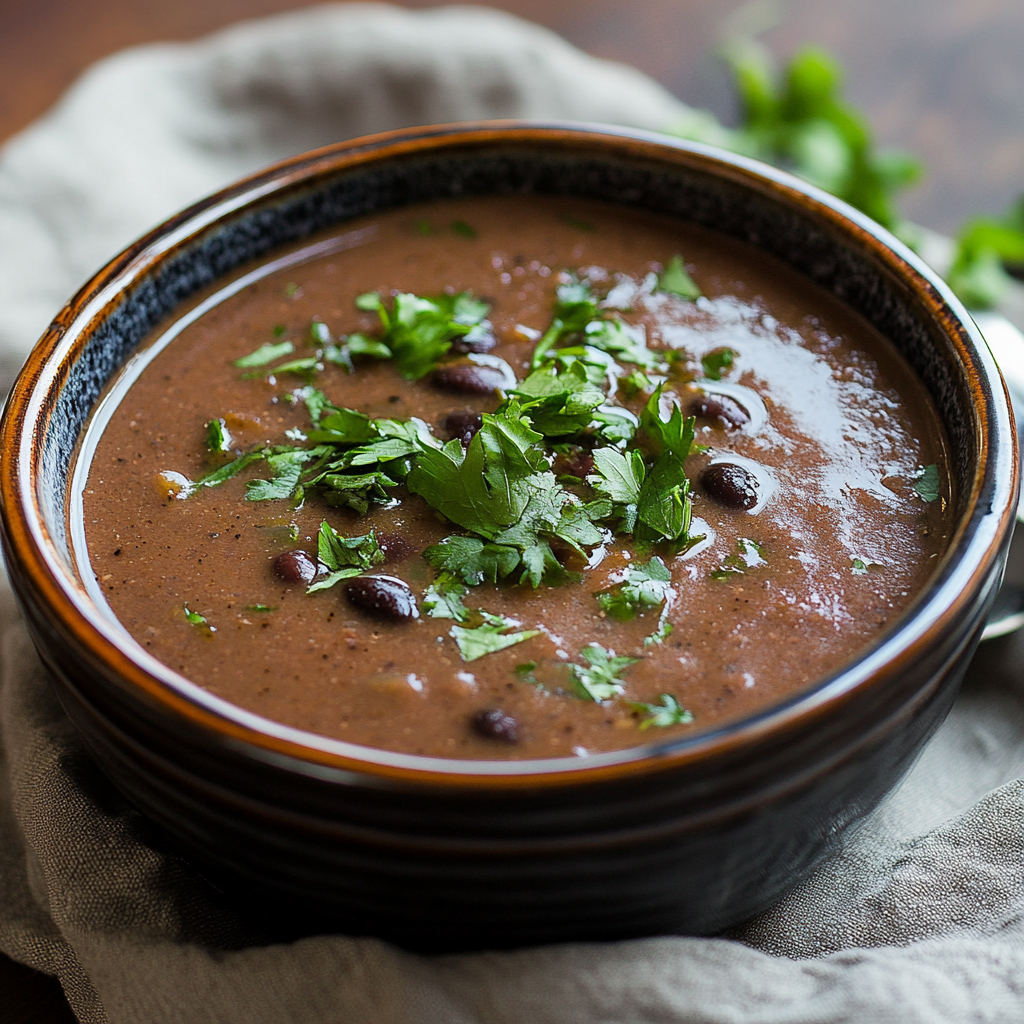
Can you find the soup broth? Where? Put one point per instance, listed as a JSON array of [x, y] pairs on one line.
[[434, 490]]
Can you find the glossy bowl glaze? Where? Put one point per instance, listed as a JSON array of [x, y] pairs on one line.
[[690, 835]]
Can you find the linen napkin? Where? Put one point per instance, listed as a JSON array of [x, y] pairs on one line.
[[918, 920]]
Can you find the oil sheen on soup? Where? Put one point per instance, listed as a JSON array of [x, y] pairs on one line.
[[515, 478]]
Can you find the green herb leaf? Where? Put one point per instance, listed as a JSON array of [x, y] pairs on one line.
[[443, 598], [492, 636], [217, 437], [218, 476], [675, 280], [286, 467], [419, 331], [472, 560], [199, 621], [716, 363], [266, 353], [646, 586], [661, 634], [668, 712], [928, 485], [346, 557], [600, 679], [749, 554], [460, 227]]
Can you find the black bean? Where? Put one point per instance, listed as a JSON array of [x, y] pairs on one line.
[[579, 463], [383, 596], [730, 485], [480, 339], [471, 378], [295, 567], [394, 546], [462, 425], [720, 407], [495, 724]]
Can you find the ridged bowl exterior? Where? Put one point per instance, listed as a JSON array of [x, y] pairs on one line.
[[691, 835]]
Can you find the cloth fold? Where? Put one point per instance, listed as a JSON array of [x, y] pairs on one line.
[[918, 919]]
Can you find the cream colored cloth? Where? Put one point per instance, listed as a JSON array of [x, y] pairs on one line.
[[919, 919]]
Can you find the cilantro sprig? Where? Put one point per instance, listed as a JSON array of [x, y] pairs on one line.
[[578, 319], [601, 678], [501, 491], [661, 716], [490, 637], [646, 586], [418, 332], [653, 503], [344, 557]]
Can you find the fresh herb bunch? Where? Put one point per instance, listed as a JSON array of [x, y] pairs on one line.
[[500, 489], [509, 510], [797, 118]]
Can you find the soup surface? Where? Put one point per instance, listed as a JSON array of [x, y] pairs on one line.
[[434, 490]]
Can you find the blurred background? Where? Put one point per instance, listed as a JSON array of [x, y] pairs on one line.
[[940, 79]]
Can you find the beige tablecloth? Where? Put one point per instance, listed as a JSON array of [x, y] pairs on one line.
[[918, 920]]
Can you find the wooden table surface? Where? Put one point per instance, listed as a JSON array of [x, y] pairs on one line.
[[942, 78]]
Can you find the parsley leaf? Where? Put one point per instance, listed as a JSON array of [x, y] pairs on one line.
[[286, 467], [748, 555], [599, 679], [928, 485], [443, 598], [199, 621], [266, 353], [218, 439], [559, 401], [419, 331], [646, 586], [501, 489], [675, 280], [717, 362], [668, 712], [472, 560], [218, 476], [492, 636], [661, 634], [578, 317], [344, 556]]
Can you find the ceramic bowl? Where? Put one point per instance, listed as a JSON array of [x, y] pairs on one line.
[[690, 835]]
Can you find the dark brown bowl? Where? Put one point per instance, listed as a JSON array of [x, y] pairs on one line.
[[689, 835]]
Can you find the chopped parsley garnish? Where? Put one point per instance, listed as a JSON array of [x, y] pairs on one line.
[[265, 354], [717, 363], [261, 608], [661, 634], [749, 554], [928, 485], [199, 621], [418, 331], [675, 280], [645, 586], [653, 504], [501, 489], [460, 227], [579, 320], [343, 556], [668, 712], [600, 679], [443, 599], [862, 565], [492, 636], [218, 439]]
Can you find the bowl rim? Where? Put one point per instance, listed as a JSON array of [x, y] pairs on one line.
[[969, 559]]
